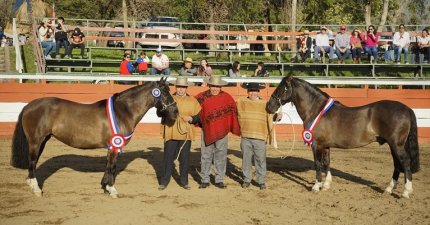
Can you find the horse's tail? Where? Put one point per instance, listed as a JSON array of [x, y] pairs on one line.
[[411, 145], [20, 149]]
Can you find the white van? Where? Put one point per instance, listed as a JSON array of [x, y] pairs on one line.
[[161, 23]]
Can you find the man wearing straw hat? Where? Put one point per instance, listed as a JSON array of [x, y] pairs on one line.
[[177, 138], [255, 128], [217, 118]]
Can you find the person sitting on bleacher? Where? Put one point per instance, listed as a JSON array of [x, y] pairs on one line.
[[61, 37], [356, 47], [401, 41], [371, 39], [46, 38], [77, 41], [342, 45], [322, 42], [187, 69], [142, 63], [160, 63], [422, 50], [126, 68], [304, 44]]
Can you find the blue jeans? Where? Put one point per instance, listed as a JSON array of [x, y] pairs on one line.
[[342, 56], [398, 52], [156, 72], [356, 52], [371, 51], [48, 46], [59, 43], [326, 49]]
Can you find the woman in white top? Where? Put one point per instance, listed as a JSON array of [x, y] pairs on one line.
[[234, 71], [46, 38], [423, 47]]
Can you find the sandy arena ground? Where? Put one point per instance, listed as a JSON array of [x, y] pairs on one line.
[[72, 195]]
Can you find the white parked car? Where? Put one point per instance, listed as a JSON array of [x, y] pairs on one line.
[[161, 23]]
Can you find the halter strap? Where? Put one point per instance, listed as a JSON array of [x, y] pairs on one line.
[[307, 133], [117, 140]]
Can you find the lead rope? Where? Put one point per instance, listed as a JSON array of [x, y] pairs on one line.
[[275, 142], [186, 132]]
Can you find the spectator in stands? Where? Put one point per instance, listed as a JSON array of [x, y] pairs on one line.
[[234, 71], [304, 44], [126, 68], [322, 43], [356, 47], [160, 63], [204, 70], [260, 71], [187, 68], [342, 45], [142, 63], [401, 41], [45, 38], [371, 40], [422, 49], [1, 33], [61, 37], [77, 41]]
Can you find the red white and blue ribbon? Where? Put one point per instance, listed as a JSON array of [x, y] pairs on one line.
[[307, 133], [117, 140]]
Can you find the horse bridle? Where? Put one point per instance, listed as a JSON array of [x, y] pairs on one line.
[[164, 106], [276, 97]]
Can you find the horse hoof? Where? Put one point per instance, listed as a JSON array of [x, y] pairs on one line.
[[389, 190], [315, 188], [38, 193], [326, 187], [406, 194], [113, 195]]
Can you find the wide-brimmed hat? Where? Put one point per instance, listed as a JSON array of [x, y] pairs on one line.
[[188, 59], [182, 82], [306, 32], [215, 81], [253, 86], [323, 28]]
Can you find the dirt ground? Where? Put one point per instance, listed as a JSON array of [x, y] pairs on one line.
[[70, 179]]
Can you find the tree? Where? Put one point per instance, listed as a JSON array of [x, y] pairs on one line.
[[384, 15], [6, 12]]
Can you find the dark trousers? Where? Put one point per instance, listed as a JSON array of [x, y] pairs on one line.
[[171, 150], [72, 46], [59, 43]]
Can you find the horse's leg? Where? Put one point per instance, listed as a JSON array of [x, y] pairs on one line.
[[326, 164], [396, 172], [108, 179], [405, 161], [35, 150], [318, 166]]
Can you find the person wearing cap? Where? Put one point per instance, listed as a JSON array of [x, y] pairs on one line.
[[304, 44], [342, 45], [77, 39], [160, 63], [46, 38], [187, 68], [217, 118], [142, 63], [178, 137], [322, 42], [255, 131]]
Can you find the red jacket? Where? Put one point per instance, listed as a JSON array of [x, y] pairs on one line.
[[126, 68]]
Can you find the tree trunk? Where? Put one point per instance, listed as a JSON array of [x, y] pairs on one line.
[[267, 27], [124, 17], [383, 16], [368, 15], [398, 14], [212, 46], [293, 25]]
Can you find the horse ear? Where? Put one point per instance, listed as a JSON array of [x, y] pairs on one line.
[[162, 81]]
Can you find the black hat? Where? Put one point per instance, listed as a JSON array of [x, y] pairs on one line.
[[253, 86]]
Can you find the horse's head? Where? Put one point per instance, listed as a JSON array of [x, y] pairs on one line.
[[165, 104], [281, 95]]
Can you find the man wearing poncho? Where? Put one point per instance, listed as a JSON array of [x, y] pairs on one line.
[[178, 137], [217, 118], [255, 127]]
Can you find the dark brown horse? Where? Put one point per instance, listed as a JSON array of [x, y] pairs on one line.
[[345, 127], [86, 126]]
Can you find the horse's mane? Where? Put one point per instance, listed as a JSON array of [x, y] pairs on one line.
[[134, 91], [310, 88]]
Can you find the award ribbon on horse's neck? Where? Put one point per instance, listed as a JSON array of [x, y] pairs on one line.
[[117, 140], [307, 133]]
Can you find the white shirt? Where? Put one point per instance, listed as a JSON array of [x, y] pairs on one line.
[[42, 33], [322, 40], [160, 62], [401, 40], [424, 41]]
